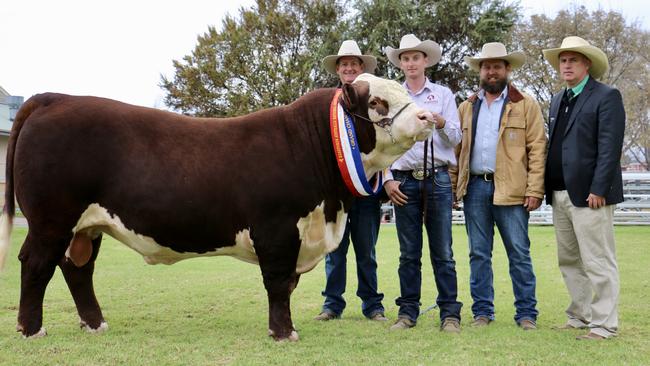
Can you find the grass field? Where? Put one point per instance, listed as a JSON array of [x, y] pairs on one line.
[[213, 311]]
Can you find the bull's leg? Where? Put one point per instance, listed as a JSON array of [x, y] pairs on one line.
[[277, 251], [80, 283], [279, 287], [39, 256]]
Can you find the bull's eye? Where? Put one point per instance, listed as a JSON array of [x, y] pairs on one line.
[[373, 103]]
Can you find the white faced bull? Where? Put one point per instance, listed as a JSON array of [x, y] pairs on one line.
[[265, 188]]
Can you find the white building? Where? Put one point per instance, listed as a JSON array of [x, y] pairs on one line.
[[9, 106]]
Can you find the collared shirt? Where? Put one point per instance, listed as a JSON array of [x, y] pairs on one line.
[[578, 88], [484, 154], [437, 99]]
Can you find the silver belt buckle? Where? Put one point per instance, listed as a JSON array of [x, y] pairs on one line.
[[418, 173]]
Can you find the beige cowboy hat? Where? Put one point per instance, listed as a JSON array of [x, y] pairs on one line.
[[496, 51], [598, 58], [411, 43], [350, 48]]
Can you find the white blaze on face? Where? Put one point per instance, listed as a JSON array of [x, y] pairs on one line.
[[96, 219], [406, 129], [318, 237]]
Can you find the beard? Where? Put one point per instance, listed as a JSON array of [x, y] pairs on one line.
[[494, 87]]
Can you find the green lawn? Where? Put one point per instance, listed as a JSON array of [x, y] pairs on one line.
[[213, 311]]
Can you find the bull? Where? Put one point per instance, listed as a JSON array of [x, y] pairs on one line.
[[265, 188]]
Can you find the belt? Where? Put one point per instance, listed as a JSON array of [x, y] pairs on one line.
[[419, 173], [488, 177]]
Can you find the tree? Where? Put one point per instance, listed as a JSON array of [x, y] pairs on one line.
[[271, 54], [268, 56], [627, 47], [461, 27]]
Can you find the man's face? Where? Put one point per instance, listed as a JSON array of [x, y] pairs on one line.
[[573, 67], [413, 63], [348, 68], [494, 75]]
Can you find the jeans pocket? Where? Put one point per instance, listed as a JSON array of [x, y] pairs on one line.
[[442, 180]]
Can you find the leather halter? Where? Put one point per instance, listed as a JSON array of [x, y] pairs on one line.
[[385, 123]]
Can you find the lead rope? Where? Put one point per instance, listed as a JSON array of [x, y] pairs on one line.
[[423, 184], [433, 176]]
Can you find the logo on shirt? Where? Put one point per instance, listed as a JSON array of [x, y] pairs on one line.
[[431, 99]]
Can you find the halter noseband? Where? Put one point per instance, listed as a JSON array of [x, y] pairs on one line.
[[385, 123]]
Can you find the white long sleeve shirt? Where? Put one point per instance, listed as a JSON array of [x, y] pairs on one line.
[[438, 99]]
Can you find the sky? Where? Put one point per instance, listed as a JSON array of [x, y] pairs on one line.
[[118, 49]]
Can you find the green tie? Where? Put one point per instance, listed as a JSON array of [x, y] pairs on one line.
[[570, 94]]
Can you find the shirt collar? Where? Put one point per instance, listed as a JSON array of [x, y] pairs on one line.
[[578, 88], [427, 85]]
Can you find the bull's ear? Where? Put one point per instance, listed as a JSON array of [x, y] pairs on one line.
[[349, 98]]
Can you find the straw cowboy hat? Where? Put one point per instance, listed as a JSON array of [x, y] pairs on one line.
[[411, 43], [350, 48], [496, 51], [598, 58]]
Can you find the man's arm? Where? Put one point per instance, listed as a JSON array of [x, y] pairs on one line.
[[536, 150], [611, 129], [450, 132]]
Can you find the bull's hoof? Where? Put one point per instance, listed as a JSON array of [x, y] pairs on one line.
[[40, 334], [293, 337], [103, 326]]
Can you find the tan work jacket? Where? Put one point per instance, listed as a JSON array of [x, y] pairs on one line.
[[521, 150]]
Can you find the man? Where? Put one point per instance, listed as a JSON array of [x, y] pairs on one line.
[[419, 180], [500, 179], [363, 219], [584, 182]]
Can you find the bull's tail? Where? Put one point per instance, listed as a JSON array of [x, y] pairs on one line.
[[8, 212]]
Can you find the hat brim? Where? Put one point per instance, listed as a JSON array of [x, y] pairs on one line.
[[369, 63], [598, 58], [516, 60], [429, 48]]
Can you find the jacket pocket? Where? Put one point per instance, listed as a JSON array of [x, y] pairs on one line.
[[514, 134]]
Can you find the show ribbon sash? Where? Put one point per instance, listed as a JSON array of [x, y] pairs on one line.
[[346, 151]]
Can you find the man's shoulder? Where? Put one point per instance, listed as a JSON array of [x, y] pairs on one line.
[[601, 92], [467, 103], [529, 99], [438, 88], [602, 87]]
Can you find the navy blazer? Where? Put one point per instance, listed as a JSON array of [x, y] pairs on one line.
[[592, 144]]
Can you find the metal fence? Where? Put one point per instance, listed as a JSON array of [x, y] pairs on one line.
[[634, 210]]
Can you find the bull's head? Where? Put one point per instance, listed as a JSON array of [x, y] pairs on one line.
[[391, 121]]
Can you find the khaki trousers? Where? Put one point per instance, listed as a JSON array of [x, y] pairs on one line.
[[587, 259]]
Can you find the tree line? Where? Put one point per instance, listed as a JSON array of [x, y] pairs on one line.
[[270, 54]]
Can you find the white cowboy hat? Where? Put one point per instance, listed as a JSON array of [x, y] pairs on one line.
[[350, 48], [411, 43], [496, 51], [598, 58]]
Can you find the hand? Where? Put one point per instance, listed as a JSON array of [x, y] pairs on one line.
[[596, 201], [438, 120], [396, 196], [532, 203]]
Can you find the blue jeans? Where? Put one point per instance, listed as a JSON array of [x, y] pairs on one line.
[[408, 219], [512, 222], [363, 228]]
